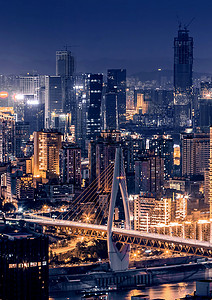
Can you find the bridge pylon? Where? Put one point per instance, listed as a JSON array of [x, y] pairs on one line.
[[119, 259]]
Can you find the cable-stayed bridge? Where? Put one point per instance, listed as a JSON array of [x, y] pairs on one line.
[[92, 214]]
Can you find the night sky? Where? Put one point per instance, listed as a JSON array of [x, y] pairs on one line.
[[135, 34]]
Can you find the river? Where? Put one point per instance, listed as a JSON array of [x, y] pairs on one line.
[[170, 291]]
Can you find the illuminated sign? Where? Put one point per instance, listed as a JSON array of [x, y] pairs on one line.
[[4, 95], [18, 97], [32, 102]]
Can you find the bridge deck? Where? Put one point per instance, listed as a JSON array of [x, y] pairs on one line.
[[149, 240]]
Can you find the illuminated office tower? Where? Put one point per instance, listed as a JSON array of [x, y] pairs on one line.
[[53, 99], [65, 68], [116, 97], [65, 64], [183, 72], [7, 132], [46, 154], [82, 100], [94, 107]]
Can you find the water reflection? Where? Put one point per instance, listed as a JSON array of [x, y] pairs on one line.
[[164, 291]]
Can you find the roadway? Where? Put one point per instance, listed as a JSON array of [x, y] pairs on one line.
[[148, 240]]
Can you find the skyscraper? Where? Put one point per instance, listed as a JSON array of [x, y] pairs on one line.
[[65, 68], [183, 60], [94, 107], [53, 99], [183, 71], [65, 64], [115, 98]]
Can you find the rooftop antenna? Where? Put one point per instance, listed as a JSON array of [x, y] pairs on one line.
[[189, 23], [70, 46], [179, 22]]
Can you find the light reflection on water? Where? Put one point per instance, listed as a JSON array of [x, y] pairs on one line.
[[170, 291]]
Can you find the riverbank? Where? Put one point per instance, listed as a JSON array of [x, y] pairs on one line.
[[64, 280]]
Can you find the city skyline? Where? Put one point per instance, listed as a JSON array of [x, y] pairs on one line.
[[32, 33]]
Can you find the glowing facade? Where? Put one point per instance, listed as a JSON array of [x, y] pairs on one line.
[[46, 154]]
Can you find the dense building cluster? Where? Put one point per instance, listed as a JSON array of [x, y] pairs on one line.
[[59, 133]]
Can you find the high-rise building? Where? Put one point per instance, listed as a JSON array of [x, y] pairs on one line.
[[65, 68], [164, 147], [111, 111], [183, 71], [7, 132], [94, 107], [195, 153], [71, 164], [210, 176], [183, 60], [24, 266], [29, 85], [46, 154], [141, 104], [21, 138], [205, 106], [25, 189], [82, 102], [149, 175], [116, 97], [53, 99], [65, 64], [149, 212], [34, 115]]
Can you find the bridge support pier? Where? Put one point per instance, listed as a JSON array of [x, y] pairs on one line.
[[119, 259]]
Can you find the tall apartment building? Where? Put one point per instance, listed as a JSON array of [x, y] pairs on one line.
[[7, 133], [46, 154], [149, 175], [195, 153], [71, 164], [149, 212]]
